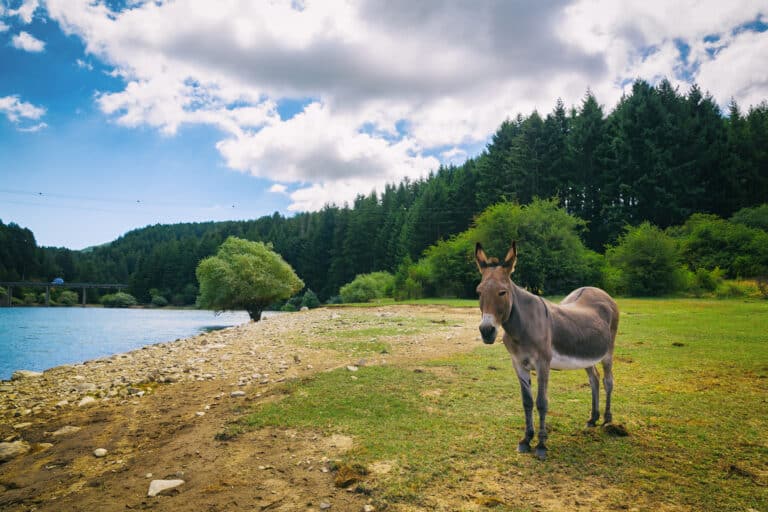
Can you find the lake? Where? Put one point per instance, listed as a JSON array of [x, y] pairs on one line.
[[41, 338]]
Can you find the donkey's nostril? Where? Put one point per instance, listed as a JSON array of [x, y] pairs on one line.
[[488, 332]]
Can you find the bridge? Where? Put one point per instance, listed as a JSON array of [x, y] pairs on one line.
[[29, 284]]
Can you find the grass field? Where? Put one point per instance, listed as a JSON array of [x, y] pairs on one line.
[[691, 391]]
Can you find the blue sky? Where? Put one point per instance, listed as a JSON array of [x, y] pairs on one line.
[[114, 116]]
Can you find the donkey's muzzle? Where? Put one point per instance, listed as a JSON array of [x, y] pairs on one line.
[[488, 333]]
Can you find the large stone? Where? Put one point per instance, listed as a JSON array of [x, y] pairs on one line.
[[66, 431], [25, 374], [163, 486], [87, 401], [12, 450]]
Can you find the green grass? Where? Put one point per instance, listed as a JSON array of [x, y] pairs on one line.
[[691, 386]]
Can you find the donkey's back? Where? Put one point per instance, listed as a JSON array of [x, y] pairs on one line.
[[584, 326]]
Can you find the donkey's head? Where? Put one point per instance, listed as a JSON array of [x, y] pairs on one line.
[[495, 290]]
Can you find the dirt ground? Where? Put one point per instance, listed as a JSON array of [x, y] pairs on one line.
[[170, 430]]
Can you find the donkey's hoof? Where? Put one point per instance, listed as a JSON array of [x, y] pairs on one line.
[[541, 453], [523, 447], [592, 423], [608, 419]]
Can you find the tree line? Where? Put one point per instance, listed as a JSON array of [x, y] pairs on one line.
[[660, 156]]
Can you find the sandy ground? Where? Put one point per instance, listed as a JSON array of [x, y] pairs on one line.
[[157, 411]]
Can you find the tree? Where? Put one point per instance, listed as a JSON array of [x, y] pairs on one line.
[[245, 275], [648, 261]]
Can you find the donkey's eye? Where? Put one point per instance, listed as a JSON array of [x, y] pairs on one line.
[[502, 293]]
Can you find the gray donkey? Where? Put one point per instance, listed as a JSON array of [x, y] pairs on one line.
[[539, 335]]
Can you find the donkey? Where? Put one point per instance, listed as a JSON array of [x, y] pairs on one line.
[[539, 335]]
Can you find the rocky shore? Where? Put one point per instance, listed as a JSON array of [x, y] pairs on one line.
[[119, 423]]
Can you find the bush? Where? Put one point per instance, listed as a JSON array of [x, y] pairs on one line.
[[30, 299], [756, 217], [730, 290], [159, 301], [366, 287], [648, 260], [288, 308], [710, 242], [551, 256], [310, 300], [118, 300], [68, 298]]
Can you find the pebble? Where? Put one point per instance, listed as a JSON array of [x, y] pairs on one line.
[[99, 452], [369, 508], [20, 426], [200, 413], [325, 505], [352, 368], [162, 486], [236, 394], [9, 451], [86, 401]]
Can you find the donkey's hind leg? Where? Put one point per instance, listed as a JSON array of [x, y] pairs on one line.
[[608, 384], [594, 383]]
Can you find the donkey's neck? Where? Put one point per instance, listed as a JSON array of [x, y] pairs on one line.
[[528, 313]]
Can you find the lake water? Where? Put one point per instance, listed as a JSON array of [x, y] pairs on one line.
[[41, 338]]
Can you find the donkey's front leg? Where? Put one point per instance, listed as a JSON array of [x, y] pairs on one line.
[[542, 378], [524, 376]]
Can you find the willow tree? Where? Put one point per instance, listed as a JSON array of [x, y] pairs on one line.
[[245, 275]]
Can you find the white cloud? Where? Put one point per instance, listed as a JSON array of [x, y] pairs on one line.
[[390, 82], [25, 11], [18, 111], [27, 42], [34, 128], [3, 26], [84, 64], [278, 188]]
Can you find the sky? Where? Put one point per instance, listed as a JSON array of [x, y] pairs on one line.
[[118, 114]]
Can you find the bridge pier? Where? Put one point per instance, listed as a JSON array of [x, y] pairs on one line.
[[83, 296], [10, 296], [48, 296]]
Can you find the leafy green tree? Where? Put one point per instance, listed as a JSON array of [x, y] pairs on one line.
[[648, 261], [68, 298], [245, 275], [756, 217], [310, 300], [118, 300], [366, 287]]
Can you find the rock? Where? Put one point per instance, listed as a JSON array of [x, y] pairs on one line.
[[12, 450], [25, 374], [6, 389], [39, 447], [200, 413], [236, 394], [99, 452], [163, 486], [369, 508], [352, 368], [86, 401], [325, 505], [85, 387], [20, 426], [62, 403], [66, 431]]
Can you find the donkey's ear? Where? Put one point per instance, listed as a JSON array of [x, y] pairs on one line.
[[480, 258], [510, 260]]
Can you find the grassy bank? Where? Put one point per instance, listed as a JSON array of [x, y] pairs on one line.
[[691, 386]]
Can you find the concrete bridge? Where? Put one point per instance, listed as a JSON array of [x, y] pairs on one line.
[[29, 284]]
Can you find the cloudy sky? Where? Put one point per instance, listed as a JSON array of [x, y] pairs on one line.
[[121, 113]]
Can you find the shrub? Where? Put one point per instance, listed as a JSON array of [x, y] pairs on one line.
[[288, 308], [30, 298], [648, 260], [310, 300], [756, 217], [710, 242], [729, 290], [68, 298], [118, 300], [366, 287], [159, 301]]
